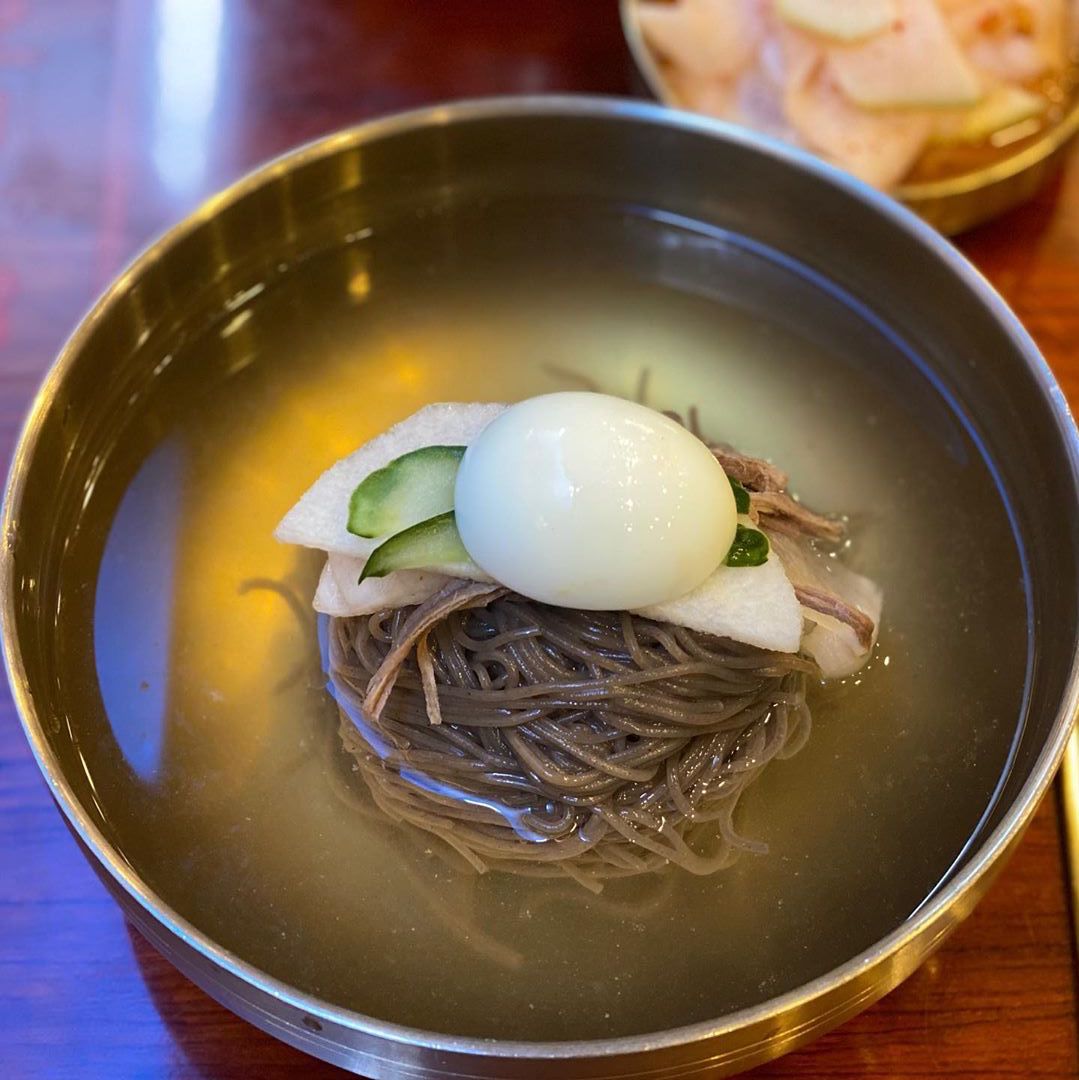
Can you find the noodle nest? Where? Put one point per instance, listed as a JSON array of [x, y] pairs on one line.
[[550, 741]]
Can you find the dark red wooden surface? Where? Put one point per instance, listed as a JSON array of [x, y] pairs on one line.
[[116, 118]]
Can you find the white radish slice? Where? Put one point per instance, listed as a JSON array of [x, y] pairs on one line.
[[320, 518], [916, 63], [879, 148], [843, 20], [707, 38]]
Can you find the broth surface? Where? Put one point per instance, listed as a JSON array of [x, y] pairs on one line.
[[210, 741]]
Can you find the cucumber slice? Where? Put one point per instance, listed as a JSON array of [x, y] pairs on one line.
[[750, 548], [410, 489], [433, 542]]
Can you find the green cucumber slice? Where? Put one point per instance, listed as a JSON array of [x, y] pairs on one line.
[[741, 496], [750, 548], [433, 542], [411, 489]]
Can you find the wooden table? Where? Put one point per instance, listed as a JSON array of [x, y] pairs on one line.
[[116, 118]]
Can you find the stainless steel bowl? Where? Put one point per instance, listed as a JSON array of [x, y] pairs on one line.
[[619, 154], [952, 204]]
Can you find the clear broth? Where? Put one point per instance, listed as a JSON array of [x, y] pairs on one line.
[[210, 742]]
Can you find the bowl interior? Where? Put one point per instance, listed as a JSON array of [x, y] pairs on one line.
[[171, 656]]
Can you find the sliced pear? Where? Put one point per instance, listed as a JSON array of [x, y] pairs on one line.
[[915, 64], [340, 593], [412, 488], [320, 518], [841, 20], [754, 604]]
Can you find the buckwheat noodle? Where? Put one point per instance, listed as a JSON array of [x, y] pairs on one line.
[[567, 743]]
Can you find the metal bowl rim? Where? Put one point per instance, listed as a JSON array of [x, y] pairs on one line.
[[569, 106], [1044, 146]]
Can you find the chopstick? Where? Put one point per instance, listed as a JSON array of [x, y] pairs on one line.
[[1069, 778]]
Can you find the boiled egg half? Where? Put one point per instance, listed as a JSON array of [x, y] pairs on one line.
[[590, 501]]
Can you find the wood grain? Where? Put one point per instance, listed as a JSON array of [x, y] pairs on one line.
[[116, 117]]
